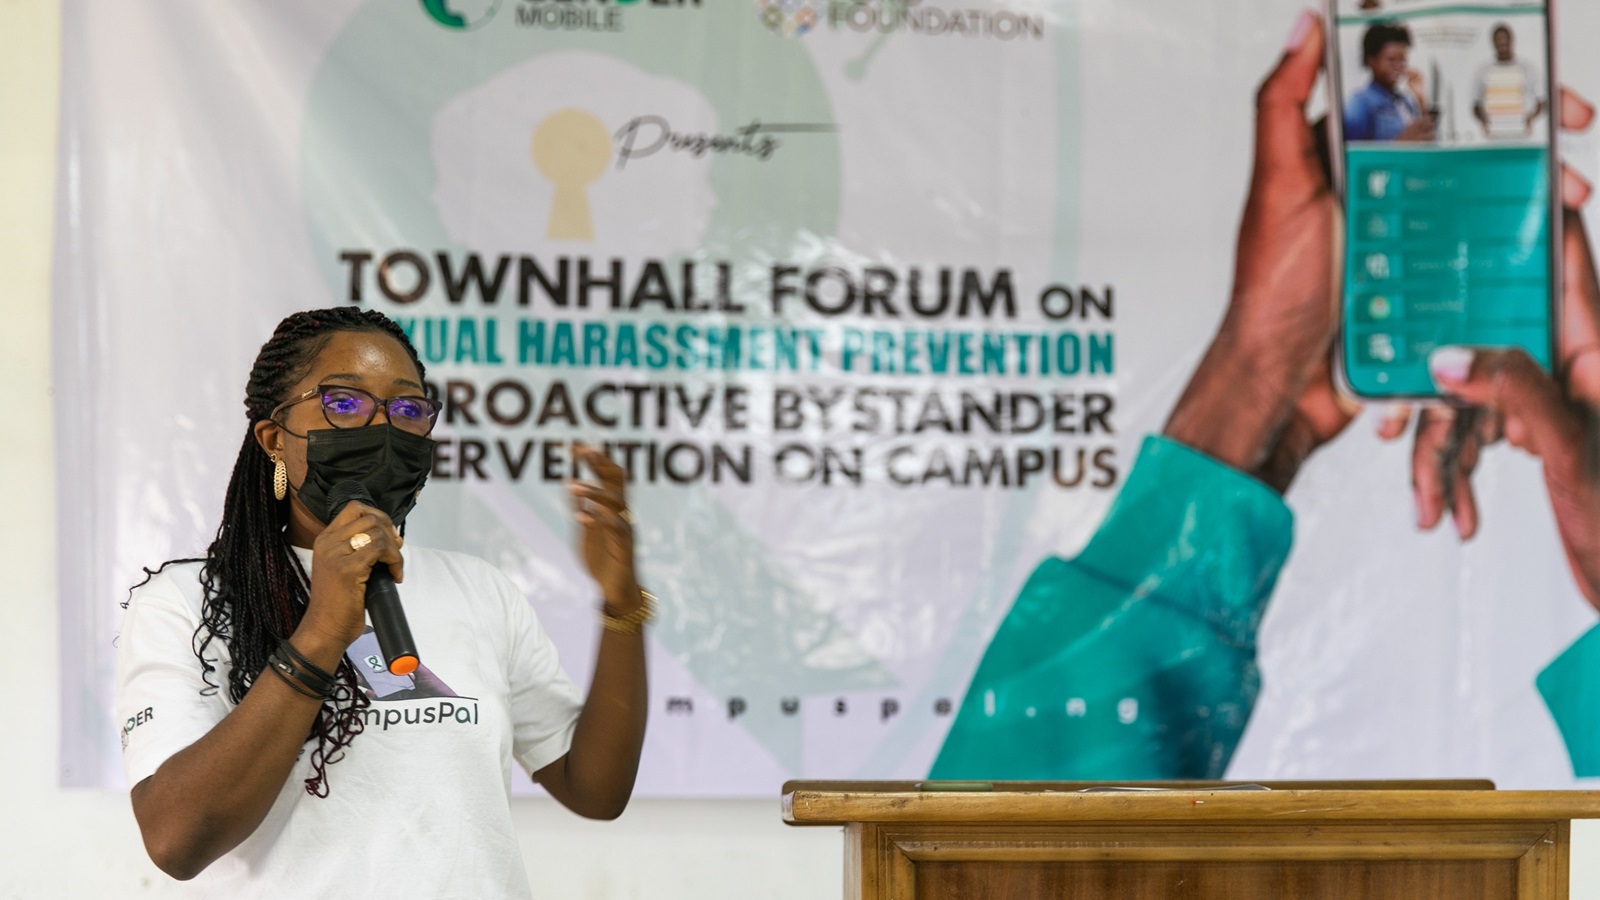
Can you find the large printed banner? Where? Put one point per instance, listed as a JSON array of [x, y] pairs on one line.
[[888, 309]]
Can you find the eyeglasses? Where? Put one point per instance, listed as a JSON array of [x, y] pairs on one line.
[[348, 407]]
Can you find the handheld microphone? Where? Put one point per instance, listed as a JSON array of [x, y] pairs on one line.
[[383, 600]]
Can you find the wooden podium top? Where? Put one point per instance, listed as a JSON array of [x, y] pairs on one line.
[[1039, 802]]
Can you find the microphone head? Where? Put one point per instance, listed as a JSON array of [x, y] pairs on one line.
[[345, 491]]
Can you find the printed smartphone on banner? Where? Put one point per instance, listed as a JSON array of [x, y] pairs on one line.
[[367, 658], [1442, 123]]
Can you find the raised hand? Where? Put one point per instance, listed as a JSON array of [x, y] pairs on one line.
[[605, 530]]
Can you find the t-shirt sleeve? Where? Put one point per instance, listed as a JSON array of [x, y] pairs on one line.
[[1357, 119], [544, 702], [162, 703]]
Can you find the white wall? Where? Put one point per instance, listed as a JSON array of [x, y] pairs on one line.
[[56, 843]]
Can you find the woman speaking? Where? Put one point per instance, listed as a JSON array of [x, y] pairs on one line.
[[273, 751]]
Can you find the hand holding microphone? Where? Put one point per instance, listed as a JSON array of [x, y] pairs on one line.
[[382, 599]]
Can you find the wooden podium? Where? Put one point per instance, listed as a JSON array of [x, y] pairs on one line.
[[1450, 840]]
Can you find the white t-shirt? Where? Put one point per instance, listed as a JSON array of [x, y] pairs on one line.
[[1506, 93], [420, 804]]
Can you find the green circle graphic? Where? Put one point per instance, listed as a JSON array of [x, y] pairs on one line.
[[446, 13]]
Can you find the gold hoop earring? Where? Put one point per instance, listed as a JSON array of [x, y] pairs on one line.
[[280, 478]]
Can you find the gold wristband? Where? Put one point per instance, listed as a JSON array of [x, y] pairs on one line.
[[633, 622]]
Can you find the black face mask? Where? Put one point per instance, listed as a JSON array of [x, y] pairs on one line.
[[391, 464]]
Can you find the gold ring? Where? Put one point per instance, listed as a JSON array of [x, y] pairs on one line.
[[360, 540], [627, 515]]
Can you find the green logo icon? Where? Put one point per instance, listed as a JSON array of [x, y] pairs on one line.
[[461, 15]]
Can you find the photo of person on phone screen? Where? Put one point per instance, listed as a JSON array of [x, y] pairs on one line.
[[1506, 101], [1390, 107]]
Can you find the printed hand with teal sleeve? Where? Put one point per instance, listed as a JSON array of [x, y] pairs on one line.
[[1136, 659]]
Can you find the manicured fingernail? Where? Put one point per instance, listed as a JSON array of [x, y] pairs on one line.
[[1450, 364], [1300, 31], [1574, 190]]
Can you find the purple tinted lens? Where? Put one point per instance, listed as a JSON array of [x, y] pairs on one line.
[[412, 413], [347, 406], [407, 408]]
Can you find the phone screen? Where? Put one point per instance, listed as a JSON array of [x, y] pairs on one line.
[[1444, 141]]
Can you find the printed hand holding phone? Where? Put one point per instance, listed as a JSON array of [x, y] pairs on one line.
[[1450, 437]]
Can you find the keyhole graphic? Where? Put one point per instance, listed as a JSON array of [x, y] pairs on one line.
[[571, 149]]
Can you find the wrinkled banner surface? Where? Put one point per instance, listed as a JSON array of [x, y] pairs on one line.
[[880, 303]]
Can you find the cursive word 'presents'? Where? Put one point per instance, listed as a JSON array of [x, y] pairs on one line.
[[647, 135]]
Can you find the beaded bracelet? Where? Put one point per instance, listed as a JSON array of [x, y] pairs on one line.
[[633, 622]]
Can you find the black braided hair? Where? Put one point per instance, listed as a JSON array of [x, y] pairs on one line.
[[255, 590]]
